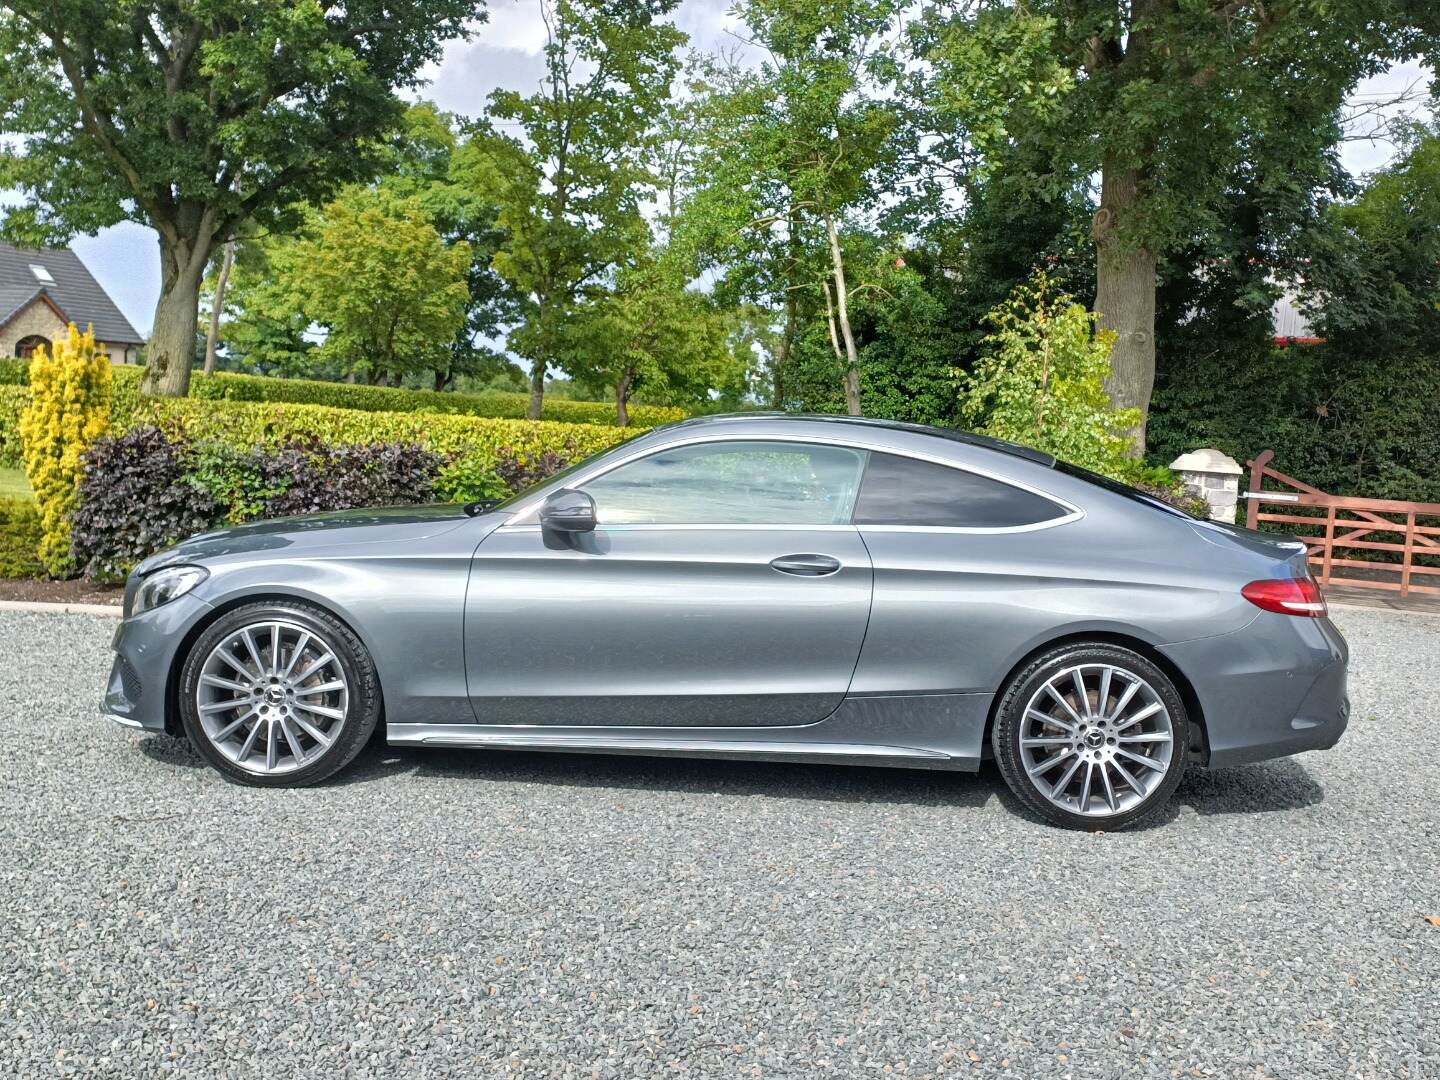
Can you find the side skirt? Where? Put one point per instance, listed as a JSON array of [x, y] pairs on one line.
[[646, 742], [924, 731]]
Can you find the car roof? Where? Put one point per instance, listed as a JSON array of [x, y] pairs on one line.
[[968, 438]]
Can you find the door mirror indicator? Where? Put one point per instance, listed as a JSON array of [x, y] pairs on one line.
[[568, 510]]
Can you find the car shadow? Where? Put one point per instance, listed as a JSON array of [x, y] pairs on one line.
[[1267, 787]]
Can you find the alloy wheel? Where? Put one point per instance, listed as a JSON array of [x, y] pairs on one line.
[[272, 697], [1096, 740]]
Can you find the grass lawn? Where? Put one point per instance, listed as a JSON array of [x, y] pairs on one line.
[[14, 485]]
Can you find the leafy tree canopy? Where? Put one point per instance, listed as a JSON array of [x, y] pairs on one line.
[[192, 116]]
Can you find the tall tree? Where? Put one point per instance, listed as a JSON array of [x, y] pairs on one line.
[[571, 183], [192, 116], [796, 145], [650, 334], [1165, 101], [423, 167], [382, 282]]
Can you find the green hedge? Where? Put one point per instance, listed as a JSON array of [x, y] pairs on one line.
[[1363, 425], [20, 539], [230, 386], [245, 424], [12, 401]]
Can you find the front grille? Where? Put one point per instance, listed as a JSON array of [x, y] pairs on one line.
[[130, 680]]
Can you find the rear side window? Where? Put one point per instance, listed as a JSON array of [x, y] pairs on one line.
[[905, 491]]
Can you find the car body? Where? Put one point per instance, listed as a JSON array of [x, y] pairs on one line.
[[871, 591]]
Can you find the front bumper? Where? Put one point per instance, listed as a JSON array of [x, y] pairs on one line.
[[145, 647], [1276, 688]]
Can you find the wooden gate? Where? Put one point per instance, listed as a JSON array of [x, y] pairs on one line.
[[1338, 526]]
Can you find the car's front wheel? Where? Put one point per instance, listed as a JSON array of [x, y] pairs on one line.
[[1091, 736], [279, 694]]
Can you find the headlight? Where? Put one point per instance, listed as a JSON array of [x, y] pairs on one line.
[[165, 585]]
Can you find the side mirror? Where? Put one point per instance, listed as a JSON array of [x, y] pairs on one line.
[[568, 511]]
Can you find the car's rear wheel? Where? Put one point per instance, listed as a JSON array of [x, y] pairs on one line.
[[1091, 736], [279, 694]]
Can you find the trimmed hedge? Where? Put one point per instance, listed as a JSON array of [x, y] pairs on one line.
[[20, 539], [230, 386], [13, 400], [244, 424]]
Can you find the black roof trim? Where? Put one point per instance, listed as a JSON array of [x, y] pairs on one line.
[[969, 438]]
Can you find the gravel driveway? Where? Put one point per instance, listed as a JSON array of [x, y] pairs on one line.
[[441, 913]]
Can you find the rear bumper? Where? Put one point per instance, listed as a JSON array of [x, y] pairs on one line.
[[1276, 688], [145, 647]]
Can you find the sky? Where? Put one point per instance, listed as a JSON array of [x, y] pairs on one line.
[[506, 53]]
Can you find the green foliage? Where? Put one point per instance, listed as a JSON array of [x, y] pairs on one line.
[[650, 334], [1350, 423], [1043, 382], [20, 535], [569, 183], [195, 117], [69, 408], [13, 400], [379, 279]]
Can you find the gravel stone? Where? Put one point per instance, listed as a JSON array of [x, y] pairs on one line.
[[451, 913]]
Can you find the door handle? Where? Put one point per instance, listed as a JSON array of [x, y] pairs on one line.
[[806, 565]]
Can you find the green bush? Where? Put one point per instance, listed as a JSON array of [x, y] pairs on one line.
[[20, 539], [14, 372], [13, 400], [1362, 425], [229, 386]]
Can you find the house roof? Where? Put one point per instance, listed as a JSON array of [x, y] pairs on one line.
[[72, 289]]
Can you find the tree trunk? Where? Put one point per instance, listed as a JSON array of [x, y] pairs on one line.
[[1125, 297], [622, 398], [842, 316], [537, 388], [170, 353], [217, 304], [443, 378]]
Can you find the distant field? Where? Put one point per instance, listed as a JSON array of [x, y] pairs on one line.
[[13, 485]]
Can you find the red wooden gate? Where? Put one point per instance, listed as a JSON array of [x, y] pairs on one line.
[[1341, 525]]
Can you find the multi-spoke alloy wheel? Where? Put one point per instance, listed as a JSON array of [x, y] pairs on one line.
[[1092, 737], [279, 694], [272, 696]]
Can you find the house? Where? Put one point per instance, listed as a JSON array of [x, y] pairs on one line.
[[1291, 326], [42, 292]]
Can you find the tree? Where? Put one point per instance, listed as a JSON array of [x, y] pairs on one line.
[[262, 326], [69, 409], [423, 166], [792, 147], [1119, 87], [649, 333], [1043, 381], [192, 117], [378, 277], [570, 188]]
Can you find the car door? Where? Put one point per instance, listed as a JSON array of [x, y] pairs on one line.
[[723, 586]]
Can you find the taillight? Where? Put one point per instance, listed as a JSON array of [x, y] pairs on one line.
[[1287, 596]]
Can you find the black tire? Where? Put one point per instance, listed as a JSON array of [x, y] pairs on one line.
[[363, 701], [1010, 718]]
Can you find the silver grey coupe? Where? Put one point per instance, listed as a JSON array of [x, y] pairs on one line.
[[760, 586]]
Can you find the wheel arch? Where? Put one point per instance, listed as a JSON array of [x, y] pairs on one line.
[[173, 724], [1199, 734]]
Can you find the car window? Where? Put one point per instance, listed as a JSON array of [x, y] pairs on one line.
[[732, 483], [906, 491]]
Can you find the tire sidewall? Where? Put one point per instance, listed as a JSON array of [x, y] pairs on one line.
[[363, 704], [1005, 739]]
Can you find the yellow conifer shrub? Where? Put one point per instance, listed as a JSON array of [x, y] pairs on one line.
[[69, 409]]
